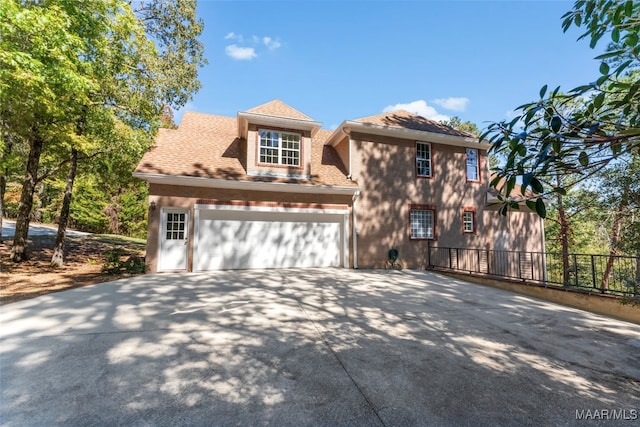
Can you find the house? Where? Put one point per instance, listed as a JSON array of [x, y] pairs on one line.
[[270, 188]]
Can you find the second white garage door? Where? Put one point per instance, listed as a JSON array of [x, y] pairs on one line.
[[238, 239]]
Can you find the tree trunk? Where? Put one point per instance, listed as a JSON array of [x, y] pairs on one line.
[[19, 250], [58, 251], [564, 239], [616, 229], [4, 173]]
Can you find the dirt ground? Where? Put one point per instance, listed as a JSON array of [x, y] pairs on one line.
[[88, 260]]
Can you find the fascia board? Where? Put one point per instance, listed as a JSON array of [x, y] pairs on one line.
[[282, 187], [418, 135]]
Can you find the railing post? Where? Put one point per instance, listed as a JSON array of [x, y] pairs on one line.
[[520, 265], [428, 254], [478, 264], [457, 259], [575, 270], [593, 271], [450, 262]]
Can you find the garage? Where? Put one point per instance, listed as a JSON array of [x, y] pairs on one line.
[[230, 237]]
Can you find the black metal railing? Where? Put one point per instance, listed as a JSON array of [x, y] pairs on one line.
[[613, 275]]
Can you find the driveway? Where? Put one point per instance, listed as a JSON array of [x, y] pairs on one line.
[[9, 230], [311, 347]]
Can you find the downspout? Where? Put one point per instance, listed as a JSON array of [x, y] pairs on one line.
[[355, 229], [354, 223]]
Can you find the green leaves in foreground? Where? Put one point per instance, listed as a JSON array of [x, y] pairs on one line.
[[578, 133]]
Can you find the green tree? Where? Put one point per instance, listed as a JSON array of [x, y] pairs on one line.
[[457, 123], [580, 132], [134, 63]]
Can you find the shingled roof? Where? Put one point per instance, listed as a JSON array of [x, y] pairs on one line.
[[207, 146], [278, 108], [405, 120]]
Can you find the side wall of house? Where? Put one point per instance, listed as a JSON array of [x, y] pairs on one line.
[[384, 168], [518, 231], [170, 196]]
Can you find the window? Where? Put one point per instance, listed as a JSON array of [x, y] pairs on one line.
[[279, 148], [472, 165], [468, 221], [423, 159], [422, 223], [175, 226]]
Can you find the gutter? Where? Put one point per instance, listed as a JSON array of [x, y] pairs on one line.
[[284, 187]]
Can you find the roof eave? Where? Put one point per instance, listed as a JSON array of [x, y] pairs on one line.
[[349, 126], [283, 187], [244, 118]]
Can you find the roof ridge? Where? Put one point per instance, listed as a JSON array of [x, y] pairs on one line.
[[278, 108]]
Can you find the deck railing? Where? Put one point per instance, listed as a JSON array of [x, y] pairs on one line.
[[604, 274]]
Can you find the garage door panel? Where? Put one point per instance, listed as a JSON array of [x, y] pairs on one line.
[[230, 239]]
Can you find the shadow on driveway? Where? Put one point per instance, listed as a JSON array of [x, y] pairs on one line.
[[310, 347]]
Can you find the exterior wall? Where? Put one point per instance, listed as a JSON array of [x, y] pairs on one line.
[[384, 169], [519, 230], [253, 165], [342, 148], [166, 196]]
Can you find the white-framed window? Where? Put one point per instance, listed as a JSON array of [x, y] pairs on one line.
[[423, 159], [473, 173], [469, 221], [279, 148], [423, 224], [176, 226]]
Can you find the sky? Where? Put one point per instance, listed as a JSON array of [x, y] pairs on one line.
[[342, 60]]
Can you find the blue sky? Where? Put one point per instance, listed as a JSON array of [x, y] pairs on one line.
[[340, 60]]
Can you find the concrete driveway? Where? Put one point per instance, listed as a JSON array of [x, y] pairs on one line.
[[312, 347]]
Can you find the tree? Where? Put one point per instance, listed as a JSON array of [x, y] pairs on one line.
[[581, 132], [119, 68], [457, 123], [40, 72]]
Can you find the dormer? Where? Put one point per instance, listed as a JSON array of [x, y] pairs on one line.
[[278, 140]]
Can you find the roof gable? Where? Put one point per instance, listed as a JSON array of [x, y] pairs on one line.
[[405, 120], [279, 109]]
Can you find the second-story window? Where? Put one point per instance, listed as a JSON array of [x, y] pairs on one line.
[[473, 173], [423, 159], [279, 148]]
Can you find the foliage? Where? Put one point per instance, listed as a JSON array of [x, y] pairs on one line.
[[581, 132], [119, 261], [95, 77], [457, 123]]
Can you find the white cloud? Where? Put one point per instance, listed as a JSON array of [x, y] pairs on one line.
[[248, 48], [271, 43], [234, 36], [452, 103], [419, 107], [240, 53]]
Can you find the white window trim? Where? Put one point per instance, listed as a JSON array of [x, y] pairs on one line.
[[429, 160], [280, 148], [433, 224], [472, 222], [477, 164]]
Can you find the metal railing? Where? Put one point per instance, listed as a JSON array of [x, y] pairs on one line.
[[612, 275]]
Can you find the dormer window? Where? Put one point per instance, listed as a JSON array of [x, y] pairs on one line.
[[279, 148]]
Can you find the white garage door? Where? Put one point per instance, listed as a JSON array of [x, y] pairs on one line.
[[230, 239]]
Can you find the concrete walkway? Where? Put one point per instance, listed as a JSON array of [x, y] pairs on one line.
[[311, 347]]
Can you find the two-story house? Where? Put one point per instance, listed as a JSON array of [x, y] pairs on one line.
[[269, 189]]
